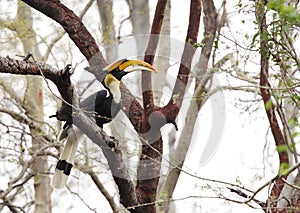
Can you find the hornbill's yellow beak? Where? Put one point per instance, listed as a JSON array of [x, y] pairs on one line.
[[127, 66], [120, 68]]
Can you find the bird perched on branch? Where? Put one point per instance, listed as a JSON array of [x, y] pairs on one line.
[[105, 106]]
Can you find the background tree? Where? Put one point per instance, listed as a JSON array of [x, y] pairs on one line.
[[33, 114]]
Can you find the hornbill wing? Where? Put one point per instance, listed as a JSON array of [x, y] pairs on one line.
[[105, 110], [88, 104], [101, 107]]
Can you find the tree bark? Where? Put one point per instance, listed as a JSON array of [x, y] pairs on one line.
[[74, 27]]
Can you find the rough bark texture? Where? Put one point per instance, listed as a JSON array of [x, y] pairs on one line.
[[87, 45], [155, 118], [74, 27], [149, 167], [172, 108], [113, 155], [150, 54]]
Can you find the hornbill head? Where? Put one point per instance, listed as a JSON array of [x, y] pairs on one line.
[[120, 68]]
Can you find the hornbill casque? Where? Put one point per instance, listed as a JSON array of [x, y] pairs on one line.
[[105, 106]]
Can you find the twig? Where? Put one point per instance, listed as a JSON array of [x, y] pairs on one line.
[[244, 195]]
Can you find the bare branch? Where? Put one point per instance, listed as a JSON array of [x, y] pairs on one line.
[[73, 26], [150, 54], [102, 189], [244, 195], [113, 155], [151, 155], [9, 90], [171, 110]]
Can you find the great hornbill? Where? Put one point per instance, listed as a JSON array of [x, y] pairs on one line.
[[104, 107]]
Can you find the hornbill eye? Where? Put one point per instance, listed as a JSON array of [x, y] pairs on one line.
[[120, 68]]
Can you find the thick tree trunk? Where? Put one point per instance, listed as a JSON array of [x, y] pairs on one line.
[[140, 19], [108, 29], [33, 102]]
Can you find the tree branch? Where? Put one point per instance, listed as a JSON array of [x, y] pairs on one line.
[[171, 110], [87, 45], [102, 189], [200, 96], [269, 106], [210, 23], [62, 32], [244, 195], [73, 26], [9, 90], [113, 154], [150, 54], [149, 167], [58, 77], [61, 79]]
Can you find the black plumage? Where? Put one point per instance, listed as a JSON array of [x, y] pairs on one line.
[[100, 106]]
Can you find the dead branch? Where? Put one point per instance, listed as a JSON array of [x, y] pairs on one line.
[[87, 45], [102, 188]]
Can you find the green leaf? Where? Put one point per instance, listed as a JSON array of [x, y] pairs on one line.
[[284, 10], [254, 38], [197, 45], [293, 122], [216, 43], [294, 134], [289, 83], [268, 104], [285, 148], [283, 169], [281, 148]]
